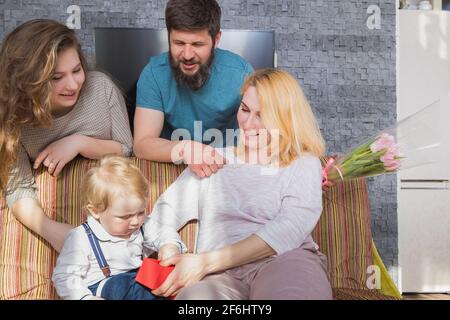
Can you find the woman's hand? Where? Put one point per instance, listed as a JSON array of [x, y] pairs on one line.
[[202, 159], [326, 185], [168, 250], [57, 154], [189, 269]]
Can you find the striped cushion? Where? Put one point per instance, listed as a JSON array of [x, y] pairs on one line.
[[360, 294], [26, 260], [344, 234]]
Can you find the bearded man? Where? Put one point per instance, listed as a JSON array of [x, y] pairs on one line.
[[192, 89]]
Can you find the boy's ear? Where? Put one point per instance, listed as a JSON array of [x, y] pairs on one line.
[[92, 211]]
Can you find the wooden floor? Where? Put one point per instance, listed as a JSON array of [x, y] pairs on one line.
[[426, 296]]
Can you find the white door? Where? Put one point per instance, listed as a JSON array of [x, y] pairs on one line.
[[423, 60]]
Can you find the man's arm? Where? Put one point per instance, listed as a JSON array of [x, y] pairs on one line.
[[148, 124], [147, 144]]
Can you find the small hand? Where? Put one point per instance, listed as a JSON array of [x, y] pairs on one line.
[[57, 154], [325, 171], [327, 185]]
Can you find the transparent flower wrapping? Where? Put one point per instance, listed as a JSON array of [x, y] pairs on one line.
[[413, 141]]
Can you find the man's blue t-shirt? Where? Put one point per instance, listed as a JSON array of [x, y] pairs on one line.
[[215, 104]]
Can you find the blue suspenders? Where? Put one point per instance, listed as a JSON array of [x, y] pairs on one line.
[[95, 245]]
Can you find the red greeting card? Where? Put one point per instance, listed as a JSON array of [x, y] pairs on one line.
[[152, 274]]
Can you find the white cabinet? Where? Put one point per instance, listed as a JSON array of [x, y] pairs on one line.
[[423, 70]]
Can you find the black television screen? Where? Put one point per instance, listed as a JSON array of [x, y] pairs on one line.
[[124, 52], [446, 5]]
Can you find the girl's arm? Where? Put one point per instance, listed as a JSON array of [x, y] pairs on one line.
[[21, 182], [93, 148], [57, 154], [29, 212], [120, 125], [121, 142]]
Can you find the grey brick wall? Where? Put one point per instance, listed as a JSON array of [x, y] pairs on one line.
[[346, 69]]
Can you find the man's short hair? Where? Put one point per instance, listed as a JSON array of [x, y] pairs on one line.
[[193, 15]]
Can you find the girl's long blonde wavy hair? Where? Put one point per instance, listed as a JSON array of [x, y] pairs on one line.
[[28, 58], [284, 109]]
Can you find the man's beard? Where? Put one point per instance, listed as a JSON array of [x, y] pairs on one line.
[[198, 79]]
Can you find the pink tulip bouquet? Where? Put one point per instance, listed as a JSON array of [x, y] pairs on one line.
[[413, 141], [377, 156]]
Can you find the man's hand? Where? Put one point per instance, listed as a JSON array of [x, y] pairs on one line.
[[168, 250], [203, 160], [57, 154]]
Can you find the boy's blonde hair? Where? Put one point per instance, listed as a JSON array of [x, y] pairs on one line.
[[284, 107], [115, 176]]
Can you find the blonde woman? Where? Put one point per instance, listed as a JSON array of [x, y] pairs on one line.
[[255, 215], [51, 110]]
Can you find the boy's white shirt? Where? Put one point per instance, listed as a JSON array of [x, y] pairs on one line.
[[77, 268]]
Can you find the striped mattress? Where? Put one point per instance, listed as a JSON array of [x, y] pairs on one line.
[[26, 260]]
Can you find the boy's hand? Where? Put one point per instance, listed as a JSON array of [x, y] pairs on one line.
[[168, 250]]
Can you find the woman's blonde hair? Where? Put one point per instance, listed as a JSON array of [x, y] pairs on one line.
[[114, 177], [28, 59], [284, 109]]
